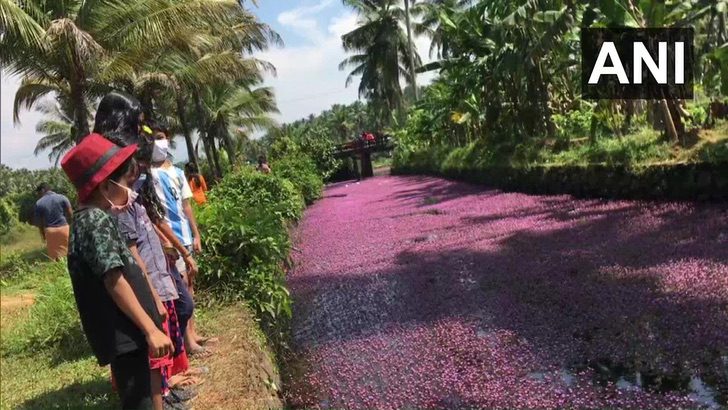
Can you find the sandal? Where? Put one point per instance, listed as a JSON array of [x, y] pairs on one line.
[[170, 404], [184, 381], [182, 395]]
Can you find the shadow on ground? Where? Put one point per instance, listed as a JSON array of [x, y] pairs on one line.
[[90, 395]]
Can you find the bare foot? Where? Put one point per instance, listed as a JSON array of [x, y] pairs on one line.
[[198, 351]]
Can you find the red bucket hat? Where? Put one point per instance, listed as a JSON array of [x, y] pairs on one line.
[[92, 161]]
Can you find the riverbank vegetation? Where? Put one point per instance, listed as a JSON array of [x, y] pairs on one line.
[[245, 236], [508, 89]]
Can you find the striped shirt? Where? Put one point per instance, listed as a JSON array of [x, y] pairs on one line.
[[172, 188]]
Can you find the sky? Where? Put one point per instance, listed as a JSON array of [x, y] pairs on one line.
[[308, 80]]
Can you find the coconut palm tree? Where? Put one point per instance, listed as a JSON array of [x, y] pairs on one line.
[[205, 58], [85, 45], [237, 110], [381, 52], [429, 12], [58, 129], [410, 46]]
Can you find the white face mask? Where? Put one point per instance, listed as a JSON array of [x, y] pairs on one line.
[[160, 150]]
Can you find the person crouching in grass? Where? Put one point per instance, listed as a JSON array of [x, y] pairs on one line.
[[119, 315]]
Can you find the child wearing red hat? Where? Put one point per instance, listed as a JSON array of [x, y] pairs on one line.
[[118, 311]]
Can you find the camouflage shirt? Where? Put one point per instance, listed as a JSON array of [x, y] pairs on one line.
[[95, 248]]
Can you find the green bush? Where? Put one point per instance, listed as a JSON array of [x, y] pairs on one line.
[[8, 216], [25, 204], [698, 114], [14, 265], [246, 242], [302, 171], [574, 124], [250, 189], [243, 249]]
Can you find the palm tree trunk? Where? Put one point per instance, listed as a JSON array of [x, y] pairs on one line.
[[202, 130], [215, 155], [413, 75], [191, 155], [229, 146], [80, 112]]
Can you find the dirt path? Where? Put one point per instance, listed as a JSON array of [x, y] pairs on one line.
[[242, 374], [11, 302], [423, 293]]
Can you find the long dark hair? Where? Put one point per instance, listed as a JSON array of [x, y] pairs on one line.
[[117, 118], [193, 172]]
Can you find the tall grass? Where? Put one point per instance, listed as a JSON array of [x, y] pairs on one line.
[[53, 321]]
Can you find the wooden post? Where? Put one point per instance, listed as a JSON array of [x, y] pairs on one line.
[[366, 164]]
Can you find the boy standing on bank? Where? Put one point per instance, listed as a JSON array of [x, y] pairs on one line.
[[174, 191], [119, 315]]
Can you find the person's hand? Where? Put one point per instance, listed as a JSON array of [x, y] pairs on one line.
[[159, 344], [196, 244], [162, 310], [191, 266]]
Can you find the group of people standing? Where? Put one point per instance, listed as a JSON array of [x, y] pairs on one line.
[[131, 254]]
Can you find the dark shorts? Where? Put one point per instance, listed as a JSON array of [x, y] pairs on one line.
[[133, 380], [184, 305]]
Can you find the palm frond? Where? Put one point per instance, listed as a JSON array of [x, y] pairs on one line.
[[19, 27], [29, 92]]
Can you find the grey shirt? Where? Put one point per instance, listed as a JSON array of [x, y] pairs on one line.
[[135, 226], [50, 210]]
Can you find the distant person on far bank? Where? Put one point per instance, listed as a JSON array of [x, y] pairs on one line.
[[369, 138], [52, 213], [197, 183], [263, 165]]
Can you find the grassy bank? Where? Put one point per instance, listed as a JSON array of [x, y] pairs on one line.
[[241, 298], [639, 165], [46, 362]]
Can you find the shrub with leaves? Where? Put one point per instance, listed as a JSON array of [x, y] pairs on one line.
[[301, 170], [8, 216], [13, 265], [251, 189], [246, 243]]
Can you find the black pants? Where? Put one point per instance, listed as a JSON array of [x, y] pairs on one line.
[[133, 380]]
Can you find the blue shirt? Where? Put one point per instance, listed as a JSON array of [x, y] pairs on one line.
[[172, 189], [50, 210], [135, 226]]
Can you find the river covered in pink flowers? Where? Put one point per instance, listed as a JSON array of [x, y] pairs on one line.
[[417, 292]]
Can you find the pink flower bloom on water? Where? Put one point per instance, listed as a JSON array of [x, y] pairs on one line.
[[423, 293]]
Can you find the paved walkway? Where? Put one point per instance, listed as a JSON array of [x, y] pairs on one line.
[[414, 292]]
